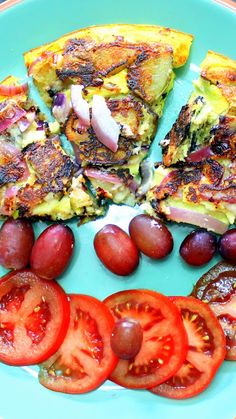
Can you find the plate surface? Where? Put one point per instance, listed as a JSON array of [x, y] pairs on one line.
[[35, 22]]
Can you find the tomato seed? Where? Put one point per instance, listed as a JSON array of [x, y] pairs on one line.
[[36, 309]]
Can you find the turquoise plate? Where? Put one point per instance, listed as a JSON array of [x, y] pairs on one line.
[[32, 23]]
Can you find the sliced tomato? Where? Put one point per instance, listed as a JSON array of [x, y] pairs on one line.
[[164, 344], [34, 318], [85, 359], [206, 351], [217, 287]]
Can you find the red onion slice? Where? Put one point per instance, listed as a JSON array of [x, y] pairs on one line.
[[226, 195], [199, 155], [23, 124], [170, 177], [55, 58], [103, 176], [8, 201], [80, 105], [110, 178], [10, 114], [59, 99], [11, 192], [61, 107], [8, 150], [196, 218], [105, 127], [31, 115], [133, 186], [13, 90]]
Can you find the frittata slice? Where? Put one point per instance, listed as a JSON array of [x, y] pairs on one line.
[[21, 120], [43, 181], [196, 183], [99, 51], [131, 66], [206, 126], [202, 194], [37, 177]]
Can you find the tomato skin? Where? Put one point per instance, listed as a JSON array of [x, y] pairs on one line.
[[85, 359], [206, 351], [40, 315], [116, 250], [16, 242], [217, 288], [151, 236], [222, 268], [52, 251], [164, 345]]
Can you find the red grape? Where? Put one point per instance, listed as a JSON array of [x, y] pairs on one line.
[[227, 245], [52, 251], [151, 236], [198, 247], [16, 242], [116, 250], [126, 338]]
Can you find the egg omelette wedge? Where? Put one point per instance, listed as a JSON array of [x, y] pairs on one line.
[[132, 67], [196, 182]]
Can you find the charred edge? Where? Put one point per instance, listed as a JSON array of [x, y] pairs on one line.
[[28, 197], [170, 188], [224, 143], [123, 105], [141, 57], [180, 130], [213, 170], [192, 195], [95, 153], [85, 72], [11, 172], [191, 176], [134, 83], [112, 68], [74, 44], [219, 188], [50, 164]]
